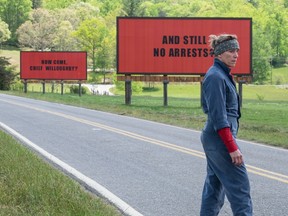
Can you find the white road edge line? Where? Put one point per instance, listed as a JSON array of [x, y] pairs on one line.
[[120, 204]]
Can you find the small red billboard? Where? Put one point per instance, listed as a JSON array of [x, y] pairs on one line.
[[177, 45], [53, 65]]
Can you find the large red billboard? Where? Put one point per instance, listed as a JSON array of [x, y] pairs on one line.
[[53, 65], [177, 45]]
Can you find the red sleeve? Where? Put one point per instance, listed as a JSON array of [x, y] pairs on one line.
[[227, 138]]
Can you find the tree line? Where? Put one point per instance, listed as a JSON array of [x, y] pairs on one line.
[[90, 25]]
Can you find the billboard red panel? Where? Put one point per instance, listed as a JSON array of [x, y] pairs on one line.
[[177, 45], [53, 65]]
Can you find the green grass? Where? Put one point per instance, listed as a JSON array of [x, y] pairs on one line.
[[265, 122], [280, 76], [30, 186], [13, 54], [268, 93], [188, 90]]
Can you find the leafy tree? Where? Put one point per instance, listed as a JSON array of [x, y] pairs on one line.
[[184, 8], [253, 2], [106, 6], [148, 9], [131, 7], [69, 20], [39, 32], [224, 8], [85, 10], [36, 4], [53, 29], [56, 4], [67, 14], [4, 32], [7, 75], [90, 36], [261, 60], [286, 3], [64, 41], [105, 56], [111, 26], [277, 31], [14, 13]]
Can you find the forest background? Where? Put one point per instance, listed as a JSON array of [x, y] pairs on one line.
[[90, 25]]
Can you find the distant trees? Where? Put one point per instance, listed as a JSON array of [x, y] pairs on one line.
[[5, 34], [131, 7], [90, 35], [270, 33], [67, 25], [78, 27], [56, 4], [63, 40], [39, 32], [14, 13], [36, 4]]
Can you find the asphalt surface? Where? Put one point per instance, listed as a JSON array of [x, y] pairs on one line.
[[156, 169]]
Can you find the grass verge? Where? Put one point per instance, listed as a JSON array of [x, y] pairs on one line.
[[29, 186]]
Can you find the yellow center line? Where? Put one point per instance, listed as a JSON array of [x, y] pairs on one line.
[[252, 169], [267, 173]]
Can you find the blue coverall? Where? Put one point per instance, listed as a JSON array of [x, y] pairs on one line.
[[220, 102]]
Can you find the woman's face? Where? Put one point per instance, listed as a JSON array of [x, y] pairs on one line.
[[229, 57]]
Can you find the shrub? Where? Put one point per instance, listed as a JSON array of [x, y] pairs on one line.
[[260, 97], [74, 89], [7, 74]]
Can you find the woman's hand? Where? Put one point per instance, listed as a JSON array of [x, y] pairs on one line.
[[237, 157]]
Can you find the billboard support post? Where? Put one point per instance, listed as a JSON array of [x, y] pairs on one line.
[[62, 87], [79, 89], [240, 92], [25, 86], [128, 90], [201, 93], [43, 85], [165, 90]]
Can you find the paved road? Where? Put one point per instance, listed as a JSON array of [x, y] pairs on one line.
[[157, 169]]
